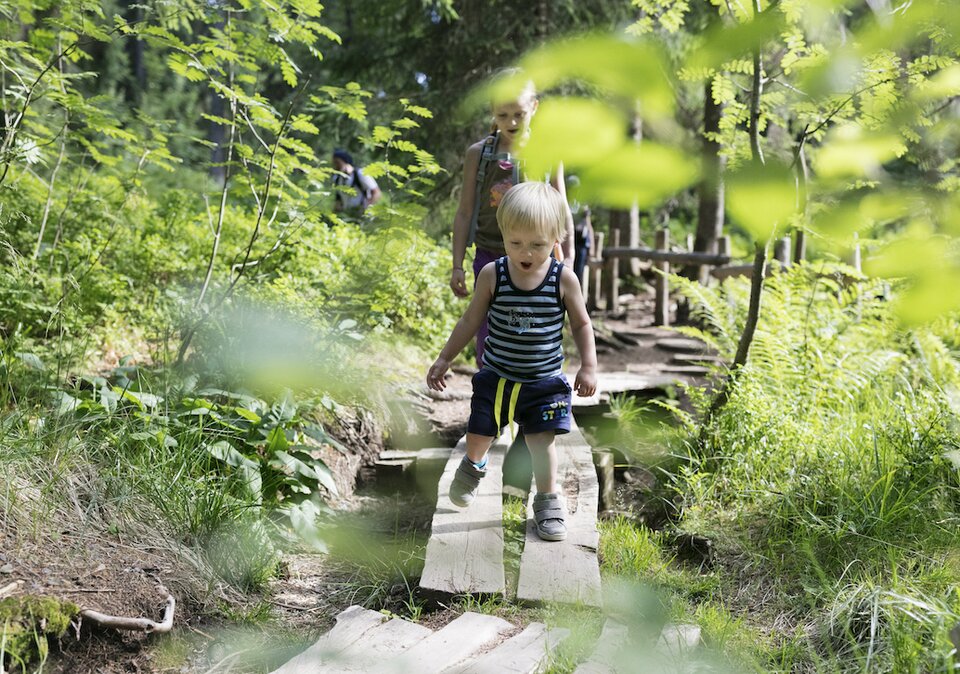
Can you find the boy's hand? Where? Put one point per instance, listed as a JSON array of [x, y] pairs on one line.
[[435, 378], [586, 382]]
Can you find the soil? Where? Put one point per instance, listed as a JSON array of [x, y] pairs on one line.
[[122, 571]]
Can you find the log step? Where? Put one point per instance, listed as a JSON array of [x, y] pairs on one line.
[[681, 344]]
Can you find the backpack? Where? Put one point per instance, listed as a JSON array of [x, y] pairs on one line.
[[354, 183], [488, 153]]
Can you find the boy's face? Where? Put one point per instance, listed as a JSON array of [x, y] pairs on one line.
[[340, 165], [513, 118], [529, 251]]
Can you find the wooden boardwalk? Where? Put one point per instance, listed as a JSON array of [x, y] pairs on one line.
[[465, 555], [473, 643], [368, 641], [465, 550], [566, 571]]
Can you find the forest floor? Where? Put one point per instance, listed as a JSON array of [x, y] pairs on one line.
[[378, 537]]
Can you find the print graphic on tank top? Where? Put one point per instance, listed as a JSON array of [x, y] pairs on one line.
[[520, 320]]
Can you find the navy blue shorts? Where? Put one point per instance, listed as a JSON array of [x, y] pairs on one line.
[[542, 405]]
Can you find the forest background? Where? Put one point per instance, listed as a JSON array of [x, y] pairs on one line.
[[186, 324]]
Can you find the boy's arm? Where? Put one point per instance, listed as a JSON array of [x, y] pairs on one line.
[[461, 221], [586, 382], [558, 182], [466, 328]]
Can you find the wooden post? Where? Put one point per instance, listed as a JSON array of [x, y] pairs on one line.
[[603, 461], [855, 261], [613, 271], [662, 311], [723, 245], [723, 248], [781, 251], [800, 246], [597, 270]]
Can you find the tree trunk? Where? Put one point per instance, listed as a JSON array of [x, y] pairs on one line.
[[216, 133], [136, 81], [710, 208]]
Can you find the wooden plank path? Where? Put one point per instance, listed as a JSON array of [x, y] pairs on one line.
[[368, 641], [566, 571], [465, 550]]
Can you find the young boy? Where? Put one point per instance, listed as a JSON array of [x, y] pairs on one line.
[[524, 295]]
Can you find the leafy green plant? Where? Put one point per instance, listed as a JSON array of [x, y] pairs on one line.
[[827, 468]]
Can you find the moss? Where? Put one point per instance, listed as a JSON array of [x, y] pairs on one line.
[[27, 622]]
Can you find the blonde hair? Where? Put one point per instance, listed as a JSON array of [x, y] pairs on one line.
[[533, 207], [508, 85]]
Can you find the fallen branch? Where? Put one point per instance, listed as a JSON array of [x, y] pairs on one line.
[[10, 589], [136, 624]]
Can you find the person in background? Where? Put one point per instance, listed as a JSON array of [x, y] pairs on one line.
[[525, 295], [489, 170], [582, 242], [582, 230], [354, 190]]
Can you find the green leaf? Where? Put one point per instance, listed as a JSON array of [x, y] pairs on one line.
[[31, 360], [850, 153], [761, 197], [277, 441], [632, 70], [598, 129], [724, 42], [249, 470], [249, 415], [320, 469], [644, 174]]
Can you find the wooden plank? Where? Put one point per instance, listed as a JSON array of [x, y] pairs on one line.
[[661, 311], [465, 550], [523, 653], [379, 647], [609, 383], [681, 344], [654, 255], [607, 653], [694, 359], [454, 644], [678, 639], [566, 571], [352, 624]]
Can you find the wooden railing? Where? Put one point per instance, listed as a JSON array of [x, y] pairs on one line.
[[601, 279]]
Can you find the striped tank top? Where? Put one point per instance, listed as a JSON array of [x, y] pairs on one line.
[[525, 340]]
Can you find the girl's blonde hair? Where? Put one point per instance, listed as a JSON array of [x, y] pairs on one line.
[[533, 207], [508, 85]]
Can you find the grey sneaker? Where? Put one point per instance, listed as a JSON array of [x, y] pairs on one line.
[[549, 517], [466, 480]]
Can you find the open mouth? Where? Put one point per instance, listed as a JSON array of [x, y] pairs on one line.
[[526, 265]]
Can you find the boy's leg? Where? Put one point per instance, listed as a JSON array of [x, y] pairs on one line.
[[472, 468], [548, 510], [543, 453], [477, 447]]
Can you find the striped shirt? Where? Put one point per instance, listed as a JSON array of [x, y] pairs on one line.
[[525, 340]]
